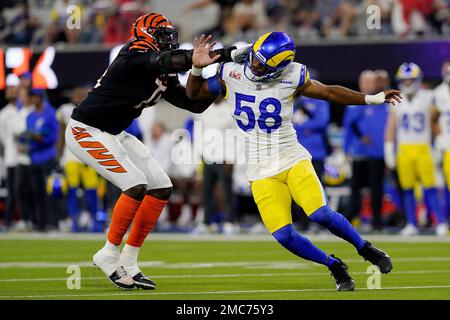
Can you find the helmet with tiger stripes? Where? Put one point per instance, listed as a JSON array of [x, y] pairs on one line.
[[154, 31]]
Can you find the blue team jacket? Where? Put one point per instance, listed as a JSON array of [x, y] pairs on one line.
[[367, 121], [45, 124], [312, 133]]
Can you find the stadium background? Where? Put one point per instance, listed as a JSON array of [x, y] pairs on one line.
[[332, 38]]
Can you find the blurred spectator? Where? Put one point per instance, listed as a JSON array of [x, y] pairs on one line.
[[161, 146], [109, 21], [248, 16], [211, 133], [7, 140], [23, 173], [337, 13], [226, 7], [41, 134], [357, 147], [77, 173], [311, 118], [20, 29]]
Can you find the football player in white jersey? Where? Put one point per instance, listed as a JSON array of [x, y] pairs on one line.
[[442, 102], [260, 94], [409, 127]]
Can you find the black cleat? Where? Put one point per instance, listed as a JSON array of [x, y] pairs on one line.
[[143, 282], [377, 257], [343, 280]]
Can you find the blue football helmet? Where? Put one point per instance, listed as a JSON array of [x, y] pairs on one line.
[[409, 78], [274, 51], [56, 185]]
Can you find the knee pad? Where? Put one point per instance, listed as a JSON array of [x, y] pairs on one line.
[[323, 216], [285, 235]]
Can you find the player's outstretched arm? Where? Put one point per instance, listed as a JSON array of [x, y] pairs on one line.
[[176, 95], [342, 95], [197, 87], [181, 60]]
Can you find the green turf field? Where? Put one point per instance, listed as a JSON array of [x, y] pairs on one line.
[[187, 268]]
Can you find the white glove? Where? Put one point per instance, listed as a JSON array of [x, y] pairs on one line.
[[389, 155], [239, 55]]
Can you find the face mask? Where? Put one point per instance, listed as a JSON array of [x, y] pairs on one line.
[[409, 89]]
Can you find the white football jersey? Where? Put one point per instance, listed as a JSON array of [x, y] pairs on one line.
[[263, 113], [442, 102], [63, 114], [414, 118]]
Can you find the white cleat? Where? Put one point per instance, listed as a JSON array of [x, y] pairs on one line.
[[442, 229], [108, 262], [409, 230], [230, 228]]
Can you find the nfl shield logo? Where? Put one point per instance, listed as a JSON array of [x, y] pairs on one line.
[[258, 87]]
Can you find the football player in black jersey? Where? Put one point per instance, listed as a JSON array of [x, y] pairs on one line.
[[144, 71]]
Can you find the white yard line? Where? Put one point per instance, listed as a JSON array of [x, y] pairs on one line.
[[225, 275], [210, 292], [211, 264]]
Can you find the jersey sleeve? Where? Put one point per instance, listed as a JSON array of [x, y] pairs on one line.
[[214, 85], [304, 76]]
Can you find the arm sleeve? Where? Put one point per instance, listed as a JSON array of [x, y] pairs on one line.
[[176, 95], [214, 85], [161, 62], [304, 76]]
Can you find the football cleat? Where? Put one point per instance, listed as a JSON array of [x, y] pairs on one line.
[[109, 264], [377, 257], [343, 280], [409, 230], [442, 229], [144, 282]]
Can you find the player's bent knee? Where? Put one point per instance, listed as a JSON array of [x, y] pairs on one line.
[[285, 235], [323, 215], [137, 192], [162, 193]]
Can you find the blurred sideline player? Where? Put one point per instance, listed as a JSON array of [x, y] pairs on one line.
[[261, 94], [77, 173], [442, 101], [364, 128], [144, 71], [409, 127]]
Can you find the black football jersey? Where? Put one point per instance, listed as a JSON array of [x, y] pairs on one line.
[[123, 91]]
